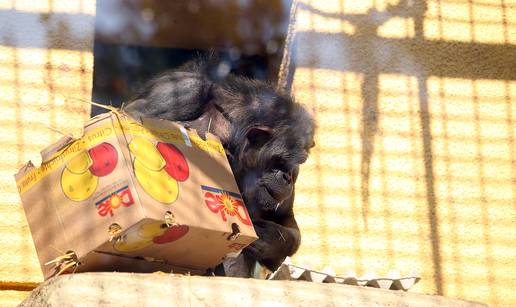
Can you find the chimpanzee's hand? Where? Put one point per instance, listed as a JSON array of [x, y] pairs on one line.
[[275, 243]]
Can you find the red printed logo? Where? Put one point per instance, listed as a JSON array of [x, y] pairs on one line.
[[122, 197], [226, 203]]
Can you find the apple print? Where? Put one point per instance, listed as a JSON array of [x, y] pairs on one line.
[[176, 165], [173, 233], [104, 157]]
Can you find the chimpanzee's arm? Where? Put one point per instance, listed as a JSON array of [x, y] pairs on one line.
[[176, 96], [278, 237]]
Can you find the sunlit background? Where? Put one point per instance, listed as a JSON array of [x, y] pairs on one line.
[[46, 64], [414, 169], [414, 166]]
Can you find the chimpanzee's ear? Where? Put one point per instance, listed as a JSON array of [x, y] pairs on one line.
[[258, 136]]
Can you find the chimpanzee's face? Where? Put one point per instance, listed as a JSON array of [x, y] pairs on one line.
[[268, 164]]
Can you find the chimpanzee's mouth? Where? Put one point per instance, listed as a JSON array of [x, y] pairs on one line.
[[269, 202], [271, 194]]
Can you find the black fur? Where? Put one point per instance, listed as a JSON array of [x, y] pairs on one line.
[[265, 133]]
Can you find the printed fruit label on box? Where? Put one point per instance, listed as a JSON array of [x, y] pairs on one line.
[[81, 174], [145, 234], [226, 203], [107, 205], [158, 168]]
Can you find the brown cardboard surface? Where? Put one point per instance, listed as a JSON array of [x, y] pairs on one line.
[[123, 173]]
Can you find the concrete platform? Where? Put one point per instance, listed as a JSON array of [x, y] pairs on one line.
[[130, 289]]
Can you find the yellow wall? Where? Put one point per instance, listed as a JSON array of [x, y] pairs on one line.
[[43, 70], [414, 166]]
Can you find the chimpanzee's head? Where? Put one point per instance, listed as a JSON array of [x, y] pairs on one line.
[[270, 138]]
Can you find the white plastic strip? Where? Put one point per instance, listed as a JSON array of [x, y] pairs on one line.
[[186, 137]]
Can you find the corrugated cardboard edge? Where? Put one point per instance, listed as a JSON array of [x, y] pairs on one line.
[[48, 151], [288, 271], [68, 140], [24, 170], [143, 120]]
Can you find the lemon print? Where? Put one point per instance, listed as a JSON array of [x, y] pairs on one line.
[[151, 230], [80, 163], [78, 187], [145, 151], [157, 184], [123, 246], [131, 242]]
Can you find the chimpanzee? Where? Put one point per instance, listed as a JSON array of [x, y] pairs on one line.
[[266, 136]]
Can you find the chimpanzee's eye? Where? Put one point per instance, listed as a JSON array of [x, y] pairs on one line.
[[281, 164], [258, 136]]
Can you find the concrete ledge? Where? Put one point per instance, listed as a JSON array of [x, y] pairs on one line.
[[129, 289]]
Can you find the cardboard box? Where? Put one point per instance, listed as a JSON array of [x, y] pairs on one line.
[[131, 196]]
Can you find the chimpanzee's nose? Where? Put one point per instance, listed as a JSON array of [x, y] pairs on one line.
[[283, 176], [279, 184]]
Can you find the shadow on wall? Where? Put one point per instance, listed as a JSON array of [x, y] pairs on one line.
[[370, 55]]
